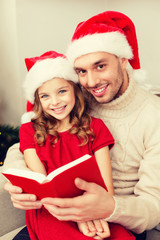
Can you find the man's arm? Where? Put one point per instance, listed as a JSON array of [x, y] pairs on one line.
[[95, 203], [138, 211]]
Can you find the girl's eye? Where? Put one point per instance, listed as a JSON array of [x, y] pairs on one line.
[[62, 91], [44, 96]]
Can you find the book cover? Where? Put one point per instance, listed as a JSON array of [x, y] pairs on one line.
[[60, 182]]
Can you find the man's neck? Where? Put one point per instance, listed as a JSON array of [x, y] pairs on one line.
[[124, 85]]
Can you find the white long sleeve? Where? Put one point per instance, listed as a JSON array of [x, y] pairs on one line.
[[134, 121]]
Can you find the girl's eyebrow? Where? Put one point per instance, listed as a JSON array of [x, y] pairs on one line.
[[63, 87], [44, 93], [41, 93]]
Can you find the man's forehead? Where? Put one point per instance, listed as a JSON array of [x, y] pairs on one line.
[[91, 59]]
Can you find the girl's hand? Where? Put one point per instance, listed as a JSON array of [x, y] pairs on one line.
[[22, 200], [102, 228], [87, 228], [97, 229]]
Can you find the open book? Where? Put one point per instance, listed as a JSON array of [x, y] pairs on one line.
[[60, 182]]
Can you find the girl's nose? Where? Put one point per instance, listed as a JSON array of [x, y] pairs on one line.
[[54, 101]]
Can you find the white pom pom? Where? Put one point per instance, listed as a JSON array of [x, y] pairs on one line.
[[26, 117], [139, 76]]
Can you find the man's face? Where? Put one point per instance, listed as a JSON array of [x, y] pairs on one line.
[[103, 75]]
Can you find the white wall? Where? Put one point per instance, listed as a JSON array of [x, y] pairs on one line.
[[146, 16], [44, 25], [31, 27], [10, 90]]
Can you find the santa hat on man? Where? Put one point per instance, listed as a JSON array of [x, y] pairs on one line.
[[41, 69], [111, 32]]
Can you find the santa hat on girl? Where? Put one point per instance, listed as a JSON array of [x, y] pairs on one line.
[[41, 69], [111, 32]]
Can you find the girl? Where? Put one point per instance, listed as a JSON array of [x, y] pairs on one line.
[[60, 130]]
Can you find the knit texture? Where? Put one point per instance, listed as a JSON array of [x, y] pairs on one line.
[[134, 121]]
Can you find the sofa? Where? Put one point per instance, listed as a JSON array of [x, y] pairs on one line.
[[12, 220]]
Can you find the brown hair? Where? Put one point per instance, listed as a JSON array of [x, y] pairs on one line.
[[45, 124]]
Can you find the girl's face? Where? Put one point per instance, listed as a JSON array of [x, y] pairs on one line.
[[57, 98]]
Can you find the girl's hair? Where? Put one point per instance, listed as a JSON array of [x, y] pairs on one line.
[[46, 124]]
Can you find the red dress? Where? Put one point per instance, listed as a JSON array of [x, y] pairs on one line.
[[40, 223]]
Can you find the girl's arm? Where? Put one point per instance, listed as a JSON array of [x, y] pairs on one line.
[[104, 162], [33, 162]]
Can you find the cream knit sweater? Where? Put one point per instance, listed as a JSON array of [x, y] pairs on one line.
[[134, 121]]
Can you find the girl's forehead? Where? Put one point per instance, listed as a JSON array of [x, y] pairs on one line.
[[54, 84]]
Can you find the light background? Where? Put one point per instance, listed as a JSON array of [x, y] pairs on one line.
[[31, 27]]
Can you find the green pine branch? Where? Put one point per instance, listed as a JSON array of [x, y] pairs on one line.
[[8, 136]]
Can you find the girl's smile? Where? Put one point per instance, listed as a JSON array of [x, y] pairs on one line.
[[58, 110]]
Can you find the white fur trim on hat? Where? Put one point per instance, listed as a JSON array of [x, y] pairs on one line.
[[111, 42], [139, 75], [27, 116], [45, 70]]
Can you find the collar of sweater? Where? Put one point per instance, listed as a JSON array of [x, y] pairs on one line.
[[127, 103]]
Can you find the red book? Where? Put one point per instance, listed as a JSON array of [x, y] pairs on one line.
[[60, 182]]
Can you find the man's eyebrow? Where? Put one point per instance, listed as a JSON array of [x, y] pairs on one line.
[[93, 64], [78, 68], [100, 61]]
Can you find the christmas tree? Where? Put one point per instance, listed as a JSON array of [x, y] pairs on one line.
[[8, 136]]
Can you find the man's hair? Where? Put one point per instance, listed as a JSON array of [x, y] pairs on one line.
[[79, 118]]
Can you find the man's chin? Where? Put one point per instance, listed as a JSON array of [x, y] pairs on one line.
[[101, 100]]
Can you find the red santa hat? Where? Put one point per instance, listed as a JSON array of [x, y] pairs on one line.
[[111, 32], [41, 69]]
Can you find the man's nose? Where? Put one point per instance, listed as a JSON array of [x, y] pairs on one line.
[[92, 79]]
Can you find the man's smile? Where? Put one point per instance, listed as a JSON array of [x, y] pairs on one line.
[[98, 92]]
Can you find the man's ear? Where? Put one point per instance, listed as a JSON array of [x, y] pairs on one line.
[[124, 62]]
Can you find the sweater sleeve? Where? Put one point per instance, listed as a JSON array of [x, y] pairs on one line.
[[141, 210]]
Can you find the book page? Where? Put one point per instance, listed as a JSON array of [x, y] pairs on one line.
[[39, 177], [67, 166]]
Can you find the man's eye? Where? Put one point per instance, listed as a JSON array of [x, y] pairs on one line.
[[100, 66], [81, 72]]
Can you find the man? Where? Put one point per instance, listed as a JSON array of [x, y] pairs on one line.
[[104, 52]]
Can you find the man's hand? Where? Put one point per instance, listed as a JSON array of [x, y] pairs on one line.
[[95, 203], [22, 200]]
